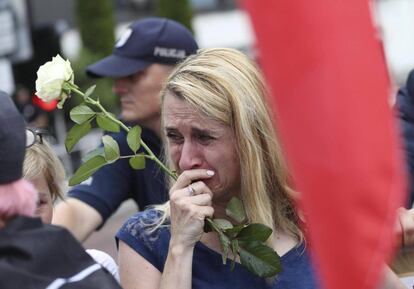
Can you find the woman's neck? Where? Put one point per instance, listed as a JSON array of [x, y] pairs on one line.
[[220, 204], [219, 211]]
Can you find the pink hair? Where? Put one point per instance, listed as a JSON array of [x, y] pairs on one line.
[[17, 198]]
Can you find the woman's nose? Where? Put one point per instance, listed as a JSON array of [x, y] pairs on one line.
[[190, 157]]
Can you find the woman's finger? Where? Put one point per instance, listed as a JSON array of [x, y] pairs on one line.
[[205, 211], [190, 176], [406, 218], [198, 188], [201, 200]]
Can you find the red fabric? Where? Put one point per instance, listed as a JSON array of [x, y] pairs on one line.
[[330, 88], [46, 106]]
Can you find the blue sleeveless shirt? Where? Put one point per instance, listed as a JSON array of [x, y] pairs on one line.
[[208, 269]]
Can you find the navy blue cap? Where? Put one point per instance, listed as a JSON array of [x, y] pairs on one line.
[[12, 140], [147, 41], [410, 83]]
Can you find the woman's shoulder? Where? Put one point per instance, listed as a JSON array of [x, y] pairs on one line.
[[143, 227], [142, 233], [145, 217]]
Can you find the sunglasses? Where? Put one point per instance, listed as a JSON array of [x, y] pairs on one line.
[[34, 135]]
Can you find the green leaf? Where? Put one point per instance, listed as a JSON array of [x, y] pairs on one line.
[[134, 138], [89, 91], [111, 149], [223, 224], [235, 210], [235, 251], [96, 152], [235, 230], [212, 225], [225, 243], [81, 113], [255, 232], [107, 124], [87, 169], [137, 162], [75, 134], [259, 259]]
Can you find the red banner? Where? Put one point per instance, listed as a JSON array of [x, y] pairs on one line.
[[330, 88]]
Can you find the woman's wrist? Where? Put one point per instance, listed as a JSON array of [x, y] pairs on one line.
[[180, 248], [178, 266]]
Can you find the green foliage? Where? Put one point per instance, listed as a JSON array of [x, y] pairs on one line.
[[178, 10], [254, 232], [77, 132], [89, 91], [111, 149], [235, 250], [137, 162], [103, 85], [106, 124], [259, 259], [99, 151], [96, 25], [87, 169], [223, 224], [95, 21], [134, 138], [235, 210], [81, 113], [245, 240]]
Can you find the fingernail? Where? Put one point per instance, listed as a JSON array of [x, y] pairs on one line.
[[210, 173]]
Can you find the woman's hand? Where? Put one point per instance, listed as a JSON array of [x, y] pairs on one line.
[[405, 227], [190, 203]]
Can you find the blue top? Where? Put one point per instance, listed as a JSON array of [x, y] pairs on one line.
[[208, 269], [405, 105], [114, 183]]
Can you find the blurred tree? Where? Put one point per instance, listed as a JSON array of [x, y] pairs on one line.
[[96, 25], [95, 21], [178, 10]]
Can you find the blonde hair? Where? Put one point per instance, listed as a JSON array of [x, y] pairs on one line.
[[227, 87], [41, 161]]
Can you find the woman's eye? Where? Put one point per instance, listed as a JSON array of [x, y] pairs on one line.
[[174, 137], [41, 203], [42, 200], [205, 138]]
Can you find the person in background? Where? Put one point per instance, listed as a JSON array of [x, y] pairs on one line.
[[45, 171], [141, 61], [405, 108], [32, 254], [33, 114]]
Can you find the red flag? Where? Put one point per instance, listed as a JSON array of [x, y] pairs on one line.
[[330, 88]]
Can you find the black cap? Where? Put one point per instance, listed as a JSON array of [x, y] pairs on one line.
[[152, 40], [12, 140]]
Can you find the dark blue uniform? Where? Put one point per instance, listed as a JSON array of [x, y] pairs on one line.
[[114, 183], [405, 103]]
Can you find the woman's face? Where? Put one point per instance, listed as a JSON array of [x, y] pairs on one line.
[[44, 208], [198, 142]]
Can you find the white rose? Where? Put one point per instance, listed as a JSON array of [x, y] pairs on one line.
[[50, 79]]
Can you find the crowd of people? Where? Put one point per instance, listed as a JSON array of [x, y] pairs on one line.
[[207, 111]]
